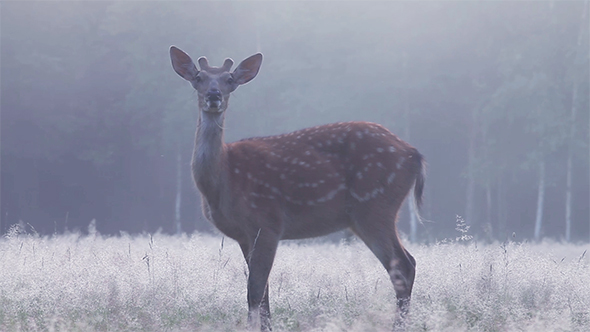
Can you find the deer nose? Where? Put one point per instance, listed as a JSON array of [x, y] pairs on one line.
[[214, 95]]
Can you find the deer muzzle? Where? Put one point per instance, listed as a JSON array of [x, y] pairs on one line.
[[214, 99]]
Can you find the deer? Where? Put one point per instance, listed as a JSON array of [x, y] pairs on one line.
[[307, 183]]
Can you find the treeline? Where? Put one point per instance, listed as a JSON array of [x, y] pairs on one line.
[[96, 125]]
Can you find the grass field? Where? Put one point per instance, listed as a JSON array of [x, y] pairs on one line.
[[198, 283]]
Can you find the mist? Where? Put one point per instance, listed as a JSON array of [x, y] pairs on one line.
[[95, 124]]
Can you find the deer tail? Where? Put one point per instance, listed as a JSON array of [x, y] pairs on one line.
[[420, 178]]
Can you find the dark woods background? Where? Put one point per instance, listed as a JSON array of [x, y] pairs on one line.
[[96, 125]]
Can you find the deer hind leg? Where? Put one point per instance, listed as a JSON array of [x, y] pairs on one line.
[[378, 232], [259, 256]]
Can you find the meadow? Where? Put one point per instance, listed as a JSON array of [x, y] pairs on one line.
[[159, 282]]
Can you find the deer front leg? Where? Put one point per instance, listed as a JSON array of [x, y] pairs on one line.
[[259, 256]]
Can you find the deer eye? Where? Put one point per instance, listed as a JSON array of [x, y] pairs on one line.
[[230, 80], [197, 79]]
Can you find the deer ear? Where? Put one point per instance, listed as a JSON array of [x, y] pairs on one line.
[[183, 64], [248, 69]]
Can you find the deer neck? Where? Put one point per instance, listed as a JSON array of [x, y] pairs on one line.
[[209, 154]]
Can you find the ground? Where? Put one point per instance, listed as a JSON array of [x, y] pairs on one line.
[[160, 282]]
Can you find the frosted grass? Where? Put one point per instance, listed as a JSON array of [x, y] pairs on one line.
[[194, 283]]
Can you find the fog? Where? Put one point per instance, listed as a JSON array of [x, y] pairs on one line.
[[95, 124]]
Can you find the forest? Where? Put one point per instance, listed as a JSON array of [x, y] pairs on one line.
[[96, 128]]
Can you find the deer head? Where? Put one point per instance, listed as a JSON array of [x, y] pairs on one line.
[[214, 84]]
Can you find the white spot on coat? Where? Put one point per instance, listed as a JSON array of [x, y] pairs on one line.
[[390, 178], [400, 162]]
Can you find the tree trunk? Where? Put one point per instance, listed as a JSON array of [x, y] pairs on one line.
[[501, 209], [489, 227], [177, 215], [469, 199], [413, 221], [570, 153], [568, 198], [411, 207], [540, 200]]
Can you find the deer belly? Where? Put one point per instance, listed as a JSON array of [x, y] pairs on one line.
[[315, 221]]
